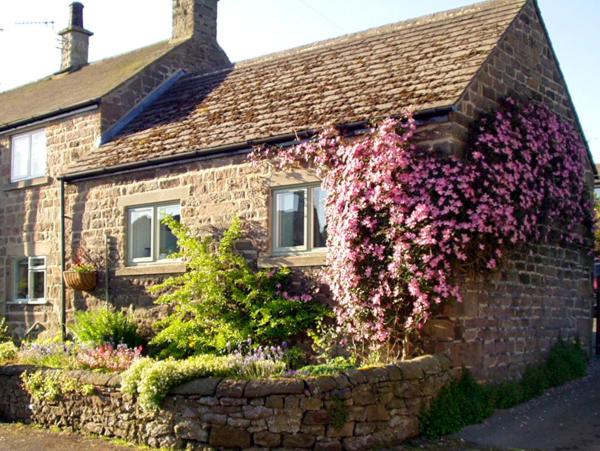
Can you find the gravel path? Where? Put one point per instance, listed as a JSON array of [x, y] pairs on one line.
[[564, 418], [19, 437]]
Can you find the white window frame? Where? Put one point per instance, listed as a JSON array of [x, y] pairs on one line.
[[154, 233], [30, 175], [30, 270], [308, 220]]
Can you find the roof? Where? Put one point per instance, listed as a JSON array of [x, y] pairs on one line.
[[69, 90], [424, 63]]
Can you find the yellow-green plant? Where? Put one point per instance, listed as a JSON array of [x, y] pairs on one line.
[[49, 385], [8, 352], [221, 301]]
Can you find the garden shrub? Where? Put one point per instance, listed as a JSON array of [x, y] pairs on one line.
[[152, 380], [221, 301], [566, 361], [465, 401], [103, 325], [462, 402], [332, 366], [8, 352], [50, 385]]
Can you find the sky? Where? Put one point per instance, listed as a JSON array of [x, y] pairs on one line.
[[29, 43]]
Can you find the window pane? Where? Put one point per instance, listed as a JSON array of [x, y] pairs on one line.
[[319, 198], [21, 273], [38, 154], [38, 283], [289, 218], [167, 243], [20, 155], [140, 233]]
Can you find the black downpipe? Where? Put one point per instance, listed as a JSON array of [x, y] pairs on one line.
[[63, 305]]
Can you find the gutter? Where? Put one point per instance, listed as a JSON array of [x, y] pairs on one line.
[[423, 117]]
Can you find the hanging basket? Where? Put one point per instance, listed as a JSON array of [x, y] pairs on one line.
[[80, 281]]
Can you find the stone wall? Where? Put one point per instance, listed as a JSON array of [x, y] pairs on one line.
[[29, 214], [356, 410]]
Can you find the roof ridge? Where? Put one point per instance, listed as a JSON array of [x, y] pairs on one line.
[[427, 18], [91, 63]]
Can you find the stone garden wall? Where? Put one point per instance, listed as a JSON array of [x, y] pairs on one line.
[[358, 409]]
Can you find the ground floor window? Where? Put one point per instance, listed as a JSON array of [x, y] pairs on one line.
[[149, 240], [30, 280], [299, 219]]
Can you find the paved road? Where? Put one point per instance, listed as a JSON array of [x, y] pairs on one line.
[[18, 437], [564, 418]]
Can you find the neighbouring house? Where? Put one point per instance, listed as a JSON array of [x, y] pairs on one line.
[[119, 143]]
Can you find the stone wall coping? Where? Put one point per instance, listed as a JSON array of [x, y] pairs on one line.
[[235, 388]]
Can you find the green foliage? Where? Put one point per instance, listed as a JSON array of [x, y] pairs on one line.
[[534, 381], [466, 402], [462, 402], [4, 332], [566, 361], [294, 357], [221, 300], [49, 385], [338, 412], [105, 325], [506, 394], [8, 352], [152, 380], [332, 366], [49, 353]]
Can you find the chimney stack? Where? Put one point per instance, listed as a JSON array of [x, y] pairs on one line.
[[195, 19], [75, 41]]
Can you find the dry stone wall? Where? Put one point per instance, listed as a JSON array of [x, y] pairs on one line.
[[356, 410]]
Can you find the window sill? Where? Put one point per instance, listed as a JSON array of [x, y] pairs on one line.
[[149, 270], [293, 260], [29, 183], [26, 303]]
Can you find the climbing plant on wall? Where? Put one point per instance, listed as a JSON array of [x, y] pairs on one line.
[[402, 220]]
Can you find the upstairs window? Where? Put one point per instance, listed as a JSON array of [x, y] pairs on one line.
[[30, 280], [149, 240], [29, 155], [299, 219]]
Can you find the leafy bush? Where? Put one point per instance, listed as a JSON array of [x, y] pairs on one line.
[[50, 385], [4, 332], [105, 325], [461, 403], [48, 354], [222, 300], [506, 394], [152, 380], [465, 401], [8, 352], [566, 361], [333, 366], [109, 357]]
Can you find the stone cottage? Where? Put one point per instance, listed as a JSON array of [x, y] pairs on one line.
[[119, 143]]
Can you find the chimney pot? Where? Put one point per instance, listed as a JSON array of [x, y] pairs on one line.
[[75, 41], [76, 15]]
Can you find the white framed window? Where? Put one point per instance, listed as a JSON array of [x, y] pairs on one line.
[[299, 223], [29, 156], [148, 239], [29, 280]]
